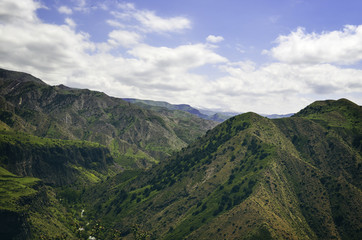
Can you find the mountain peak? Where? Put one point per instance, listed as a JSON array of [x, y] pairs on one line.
[[319, 107], [19, 76]]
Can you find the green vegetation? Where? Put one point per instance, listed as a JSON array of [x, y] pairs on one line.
[[136, 137], [12, 137], [248, 178], [13, 188], [55, 161]]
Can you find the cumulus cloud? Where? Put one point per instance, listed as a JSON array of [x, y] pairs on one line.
[[27, 44], [266, 88], [338, 47], [214, 39], [65, 10], [185, 56], [61, 54], [282, 77], [11, 11]]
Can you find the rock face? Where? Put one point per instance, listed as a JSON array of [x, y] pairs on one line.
[[136, 137], [56, 162]]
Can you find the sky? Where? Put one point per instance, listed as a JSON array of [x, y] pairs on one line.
[[268, 57]]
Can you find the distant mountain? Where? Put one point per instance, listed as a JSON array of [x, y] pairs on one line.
[[135, 136], [274, 116], [181, 107], [249, 178], [201, 113]]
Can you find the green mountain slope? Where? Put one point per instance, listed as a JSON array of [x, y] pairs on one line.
[[30, 210], [136, 137], [249, 178], [56, 162], [55, 142], [41, 180]]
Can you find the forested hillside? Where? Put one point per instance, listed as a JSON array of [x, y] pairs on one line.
[[249, 178]]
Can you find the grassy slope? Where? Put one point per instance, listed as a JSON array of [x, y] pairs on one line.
[[13, 187]]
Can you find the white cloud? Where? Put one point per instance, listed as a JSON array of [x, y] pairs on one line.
[[282, 77], [214, 39], [70, 22], [115, 23], [338, 47], [81, 5], [184, 56], [126, 6], [11, 11], [152, 22], [272, 88], [65, 10], [60, 54], [123, 38], [29, 45], [149, 21]]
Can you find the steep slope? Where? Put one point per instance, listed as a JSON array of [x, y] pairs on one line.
[[136, 137], [56, 162], [39, 176], [249, 178], [29, 210]]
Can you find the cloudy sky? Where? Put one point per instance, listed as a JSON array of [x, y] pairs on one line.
[[233, 55]]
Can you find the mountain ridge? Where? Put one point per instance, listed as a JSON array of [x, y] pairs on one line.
[[136, 137], [202, 113], [251, 178]]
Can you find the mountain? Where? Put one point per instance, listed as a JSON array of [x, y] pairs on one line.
[[274, 116], [29, 209], [248, 178], [56, 141], [181, 107], [201, 113], [77, 164], [204, 114], [136, 137], [56, 162]]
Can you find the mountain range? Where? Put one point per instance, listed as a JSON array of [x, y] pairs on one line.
[[251, 178], [135, 136], [77, 164], [201, 113]]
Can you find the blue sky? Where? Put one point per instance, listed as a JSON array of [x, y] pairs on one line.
[[233, 55]]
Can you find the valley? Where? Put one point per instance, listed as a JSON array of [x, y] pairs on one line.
[[77, 163]]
